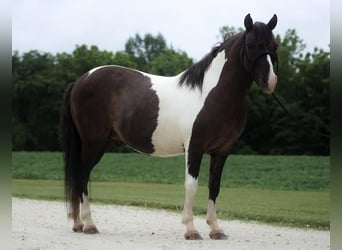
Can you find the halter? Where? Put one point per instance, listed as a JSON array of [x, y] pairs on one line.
[[250, 67], [273, 56]]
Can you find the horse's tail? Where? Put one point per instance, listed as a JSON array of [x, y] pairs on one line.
[[71, 145]]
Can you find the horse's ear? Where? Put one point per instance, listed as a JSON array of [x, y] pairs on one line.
[[248, 22], [273, 22]]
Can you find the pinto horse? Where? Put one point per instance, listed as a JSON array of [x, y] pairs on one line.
[[201, 110]]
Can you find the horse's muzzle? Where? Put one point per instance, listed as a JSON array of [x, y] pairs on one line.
[[271, 84]]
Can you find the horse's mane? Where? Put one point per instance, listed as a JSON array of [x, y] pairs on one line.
[[193, 77]]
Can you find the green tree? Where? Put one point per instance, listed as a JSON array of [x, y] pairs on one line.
[[123, 59], [70, 67], [228, 31], [35, 101], [311, 108], [290, 53], [87, 58], [143, 50], [170, 63], [152, 54]]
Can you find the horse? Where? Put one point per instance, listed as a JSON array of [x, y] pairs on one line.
[[200, 111]]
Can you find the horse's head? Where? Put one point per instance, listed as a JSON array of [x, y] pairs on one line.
[[260, 52]]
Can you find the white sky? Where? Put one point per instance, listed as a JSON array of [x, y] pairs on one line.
[[189, 25]]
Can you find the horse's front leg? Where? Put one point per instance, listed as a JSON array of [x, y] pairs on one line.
[[192, 166], [216, 166]]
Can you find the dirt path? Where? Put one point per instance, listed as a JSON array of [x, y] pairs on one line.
[[43, 225]]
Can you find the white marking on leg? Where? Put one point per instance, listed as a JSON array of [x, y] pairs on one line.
[[212, 217], [190, 190], [86, 213], [191, 185], [78, 225], [272, 77]]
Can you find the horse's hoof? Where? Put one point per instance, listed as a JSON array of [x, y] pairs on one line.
[[90, 229], [193, 236], [78, 228], [218, 235]]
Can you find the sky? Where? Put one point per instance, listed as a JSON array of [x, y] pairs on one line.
[[192, 26]]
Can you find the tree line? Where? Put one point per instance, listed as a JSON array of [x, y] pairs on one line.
[[40, 79]]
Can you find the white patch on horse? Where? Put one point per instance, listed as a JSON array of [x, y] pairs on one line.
[[191, 185], [272, 77], [179, 107], [104, 66], [85, 213], [97, 68], [211, 216]]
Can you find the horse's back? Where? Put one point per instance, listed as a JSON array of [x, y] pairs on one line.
[[118, 101]]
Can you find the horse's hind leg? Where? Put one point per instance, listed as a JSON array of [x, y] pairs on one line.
[[89, 226], [78, 225], [91, 154]]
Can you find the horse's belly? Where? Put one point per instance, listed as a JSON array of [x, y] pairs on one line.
[[167, 142]]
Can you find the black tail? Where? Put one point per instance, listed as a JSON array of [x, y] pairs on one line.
[[71, 144]]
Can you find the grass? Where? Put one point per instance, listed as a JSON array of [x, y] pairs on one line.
[[290, 208], [304, 173], [286, 190]]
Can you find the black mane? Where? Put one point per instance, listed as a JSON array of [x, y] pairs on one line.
[[193, 77]]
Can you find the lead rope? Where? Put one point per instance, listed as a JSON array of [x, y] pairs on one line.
[[296, 120]]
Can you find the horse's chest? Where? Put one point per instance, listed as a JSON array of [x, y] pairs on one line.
[[222, 139], [219, 129]]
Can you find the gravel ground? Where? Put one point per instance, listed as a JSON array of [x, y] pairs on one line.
[[43, 225]]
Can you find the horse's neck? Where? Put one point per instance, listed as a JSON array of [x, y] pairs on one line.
[[213, 73], [227, 73]]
